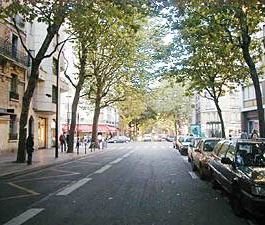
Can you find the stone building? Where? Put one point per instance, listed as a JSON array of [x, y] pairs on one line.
[[13, 74]]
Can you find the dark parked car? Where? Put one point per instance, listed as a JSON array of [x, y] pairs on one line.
[[239, 167], [200, 155]]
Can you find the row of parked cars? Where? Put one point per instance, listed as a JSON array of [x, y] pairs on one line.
[[236, 165]]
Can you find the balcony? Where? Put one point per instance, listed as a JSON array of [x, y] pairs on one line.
[[13, 136], [13, 95], [7, 50]]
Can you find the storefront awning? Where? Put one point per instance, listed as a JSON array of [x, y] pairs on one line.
[[87, 128]]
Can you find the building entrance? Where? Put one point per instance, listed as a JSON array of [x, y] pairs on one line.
[[42, 132]]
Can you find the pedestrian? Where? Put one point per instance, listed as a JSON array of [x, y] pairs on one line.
[[62, 142], [244, 135], [254, 134], [77, 145], [67, 140], [100, 140], [30, 148], [85, 143]]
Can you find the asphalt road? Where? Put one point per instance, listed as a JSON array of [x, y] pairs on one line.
[[128, 184]]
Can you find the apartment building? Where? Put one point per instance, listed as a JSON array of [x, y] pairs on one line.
[[42, 118], [249, 114], [13, 74], [231, 110]]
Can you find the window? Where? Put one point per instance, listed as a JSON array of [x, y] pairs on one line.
[[14, 83], [231, 152], [13, 128], [55, 66], [54, 94], [223, 150], [14, 45], [13, 87]]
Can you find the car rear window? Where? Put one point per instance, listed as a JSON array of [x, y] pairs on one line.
[[209, 145]]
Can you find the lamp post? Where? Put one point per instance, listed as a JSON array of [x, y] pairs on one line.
[[57, 103]]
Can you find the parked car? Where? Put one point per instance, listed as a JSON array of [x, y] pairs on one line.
[[238, 166], [184, 143], [200, 155], [192, 146]]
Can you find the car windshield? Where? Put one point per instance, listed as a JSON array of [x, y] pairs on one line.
[[209, 145], [251, 154], [188, 139]]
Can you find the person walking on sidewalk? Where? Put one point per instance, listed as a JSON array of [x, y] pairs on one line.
[[30, 148], [62, 142]]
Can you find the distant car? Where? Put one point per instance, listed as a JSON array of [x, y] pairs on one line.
[[238, 166], [170, 138], [119, 139], [200, 155], [184, 143], [147, 137]]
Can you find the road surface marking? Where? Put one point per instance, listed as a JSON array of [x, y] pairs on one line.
[[73, 187], [23, 188], [193, 175], [116, 161], [126, 155], [103, 169], [22, 218]]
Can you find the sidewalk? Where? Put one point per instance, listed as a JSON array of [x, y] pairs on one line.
[[42, 158]]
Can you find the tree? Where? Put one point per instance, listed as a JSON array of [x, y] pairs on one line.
[[111, 55], [53, 14], [237, 23], [172, 105]]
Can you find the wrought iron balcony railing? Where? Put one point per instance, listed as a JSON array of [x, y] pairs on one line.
[[8, 50]]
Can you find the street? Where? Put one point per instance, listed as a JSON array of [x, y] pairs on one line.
[[128, 184]]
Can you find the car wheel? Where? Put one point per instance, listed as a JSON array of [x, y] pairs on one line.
[[193, 166], [237, 205], [215, 184]]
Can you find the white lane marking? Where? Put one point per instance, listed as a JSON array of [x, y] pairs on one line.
[[22, 218], [116, 161], [73, 187], [126, 155], [103, 169], [193, 175]]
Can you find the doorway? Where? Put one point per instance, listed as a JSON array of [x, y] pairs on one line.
[[42, 130]]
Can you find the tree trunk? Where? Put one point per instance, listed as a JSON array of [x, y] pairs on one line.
[[95, 122], [33, 79], [246, 40], [21, 154], [255, 80], [78, 89], [175, 125], [219, 111]]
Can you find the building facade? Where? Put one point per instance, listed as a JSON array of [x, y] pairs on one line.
[[13, 74], [249, 114], [42, 118], [231, 110]]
